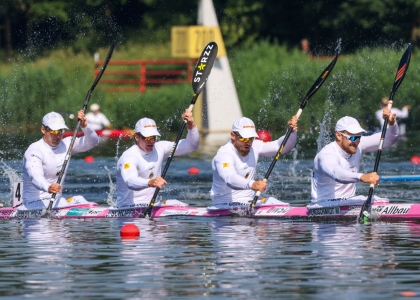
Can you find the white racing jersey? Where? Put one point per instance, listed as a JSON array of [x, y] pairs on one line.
[[336, 172], [42, 164], [135, 168], [233, 174]]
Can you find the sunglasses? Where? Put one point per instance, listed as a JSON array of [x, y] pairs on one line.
[[149, 138], [55, 132], [351, 138], [244, 140]]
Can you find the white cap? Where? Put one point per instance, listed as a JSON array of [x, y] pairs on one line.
[[54, 121], [94, 107], [245, 127], [146, 127], [351, 125]]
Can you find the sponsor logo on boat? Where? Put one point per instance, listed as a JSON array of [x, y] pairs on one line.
[[176, 213], [120, 213], [274, 211], [352, 210], [325, 211], [25, 214], [76, 212], [392, 209], [238, 204], [94, 212], [6, 212]]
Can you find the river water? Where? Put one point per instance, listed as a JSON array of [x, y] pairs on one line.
[[209, 258]]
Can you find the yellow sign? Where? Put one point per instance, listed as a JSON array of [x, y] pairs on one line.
[[189, 41]]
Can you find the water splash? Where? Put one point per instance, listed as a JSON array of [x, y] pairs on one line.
[[13, 177], [338, 48], [324, 133], [324, 128], [295, 161], [112, 189], [322, 137], [117, 146]]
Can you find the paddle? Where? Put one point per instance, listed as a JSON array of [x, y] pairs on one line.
[[364, 215], [315, 87], [70, 149], [201, 74]]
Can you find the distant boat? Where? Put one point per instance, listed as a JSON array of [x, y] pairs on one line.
[[106, 133]]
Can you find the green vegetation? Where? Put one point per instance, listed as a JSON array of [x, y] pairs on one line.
[[36, 26], [270, 79]]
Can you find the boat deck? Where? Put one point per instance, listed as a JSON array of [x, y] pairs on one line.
[[387, 212]]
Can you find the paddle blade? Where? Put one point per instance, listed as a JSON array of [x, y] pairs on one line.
[[401, 71], [315, 87], [203, 67]]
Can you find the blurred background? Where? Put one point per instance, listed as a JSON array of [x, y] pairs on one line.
[[276, 50]]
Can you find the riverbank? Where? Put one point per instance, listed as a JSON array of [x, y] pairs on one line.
[[271, 81]]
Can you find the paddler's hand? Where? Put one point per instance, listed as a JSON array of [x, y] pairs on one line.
[[158, 182], [189, 116], [259, 186], [370, 178], [293, 122], [81, 116], [54, 188], [392, 117]]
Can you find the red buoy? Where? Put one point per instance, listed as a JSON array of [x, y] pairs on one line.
[[129, 231], [264, 135], [415, 160], [89, 159], [408, 294], [193, 171]]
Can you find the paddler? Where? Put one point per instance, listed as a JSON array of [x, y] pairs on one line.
[[235, 163], [139, 167], [97, 120], [336, 166], [44, 159]]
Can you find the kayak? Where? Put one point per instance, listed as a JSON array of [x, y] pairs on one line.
[[382, 211], [106, 133]]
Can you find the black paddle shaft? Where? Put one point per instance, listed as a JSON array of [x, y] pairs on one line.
[[401, 71], [315, 87], [85, 104], [201, 74]]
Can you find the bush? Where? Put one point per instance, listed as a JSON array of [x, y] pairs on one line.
[[272, 82], [270, 79]]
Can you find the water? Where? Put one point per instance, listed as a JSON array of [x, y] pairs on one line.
[[211, 258]]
